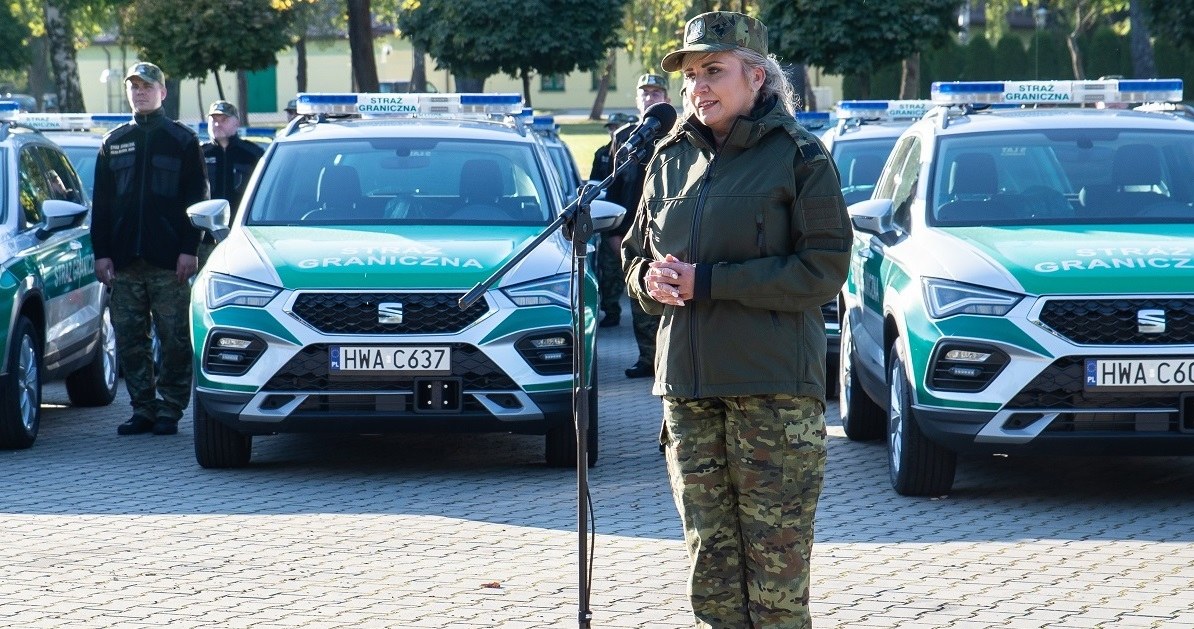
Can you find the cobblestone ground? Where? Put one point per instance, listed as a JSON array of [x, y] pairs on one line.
[[473, 531]]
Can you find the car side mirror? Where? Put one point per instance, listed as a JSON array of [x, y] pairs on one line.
[[60, 215], [606, 215], [211, 217], [873, 216]]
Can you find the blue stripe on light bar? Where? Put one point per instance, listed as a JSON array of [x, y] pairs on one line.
[[1149, 85], [969, 87], [328, 99], [490, 99], [111, 118], [863, 104]]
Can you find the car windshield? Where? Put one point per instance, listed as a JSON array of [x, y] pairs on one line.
[[401, 181], [860, 162], [1063, 176]]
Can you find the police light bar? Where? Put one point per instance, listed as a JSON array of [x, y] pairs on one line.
[[381, 105], [814, 119], [1057, 92], [9, 110], [884, 109], [543, 123], [73, 122]]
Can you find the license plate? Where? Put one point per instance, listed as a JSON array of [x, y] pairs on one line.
[[1131, 373], [389, 359]]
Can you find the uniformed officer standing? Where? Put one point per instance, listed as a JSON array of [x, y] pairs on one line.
[[610, 283], [229, 160], [650, 90], [148, 171]]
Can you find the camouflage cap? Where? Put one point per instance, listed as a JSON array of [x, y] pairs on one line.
[[146, 72], [292, 105], [718, 31], [619, 119], [222, 107], [652, 80]]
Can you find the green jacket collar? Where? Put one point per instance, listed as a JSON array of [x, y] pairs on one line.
[[747, 130]]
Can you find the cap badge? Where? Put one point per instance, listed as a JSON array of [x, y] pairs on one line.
[[696, 30]]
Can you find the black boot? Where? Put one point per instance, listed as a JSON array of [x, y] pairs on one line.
[[640, 370], [136, 425]]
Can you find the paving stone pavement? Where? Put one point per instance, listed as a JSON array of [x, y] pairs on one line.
[[471, 531]]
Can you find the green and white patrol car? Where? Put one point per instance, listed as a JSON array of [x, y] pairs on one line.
[[53, 310], [333, 304], [1020, 282], [859, 136]]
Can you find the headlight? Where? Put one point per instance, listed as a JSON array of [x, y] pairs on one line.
[[553, 291], [946, 299], [225, 290]]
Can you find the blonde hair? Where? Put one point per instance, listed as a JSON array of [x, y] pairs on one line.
[[775, 80]]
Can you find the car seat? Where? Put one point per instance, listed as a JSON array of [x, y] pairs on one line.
[[1136, 175], [973, 184], [480, 190], [338, 194], [864, 171]]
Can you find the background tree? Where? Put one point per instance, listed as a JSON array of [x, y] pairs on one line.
[[192, 40], [980, 60], [14, 40], [1013, 60], [360, 44], [1172, 20], [855, 38], [476, 39]]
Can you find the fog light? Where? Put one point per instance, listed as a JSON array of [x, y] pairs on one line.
[[230, 342], [966, 355], [550, 341], [965, 372]]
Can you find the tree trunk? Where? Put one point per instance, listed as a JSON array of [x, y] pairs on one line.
[[171, 104], [1144, 65], [39, 70], [360, 42], [603, 87], [469, 84], [242, 97], [910, 77], [63, 60], [1076, 60], [798, 75], [219, 84], [526, 87], [418, 70], [300, 70]]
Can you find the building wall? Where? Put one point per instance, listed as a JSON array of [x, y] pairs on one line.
[[329, 70]]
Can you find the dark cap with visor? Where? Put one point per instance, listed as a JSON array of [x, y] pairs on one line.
[[718, 31]]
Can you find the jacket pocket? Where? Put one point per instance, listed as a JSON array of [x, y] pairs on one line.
[[122, 173], [164, 175]]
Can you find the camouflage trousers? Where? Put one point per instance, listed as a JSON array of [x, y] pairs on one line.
[[746, 473], [145, 300], [611, 283]]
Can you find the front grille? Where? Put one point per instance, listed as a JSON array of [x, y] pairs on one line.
[[357, 313], [307, 371], [1113, 321], [1060, 386]]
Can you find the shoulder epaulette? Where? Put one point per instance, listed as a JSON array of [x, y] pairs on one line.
[[808, 145]]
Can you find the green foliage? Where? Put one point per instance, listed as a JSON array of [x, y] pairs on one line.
[[481, 38], [191, 40], [14, 40], [1011, 58], [1107, 54], [980, 61], [652, 29], [1054, 55], [852, 38], [1172, 20]]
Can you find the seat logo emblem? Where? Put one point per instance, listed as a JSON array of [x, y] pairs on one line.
[[1150, 321], [389, 313]]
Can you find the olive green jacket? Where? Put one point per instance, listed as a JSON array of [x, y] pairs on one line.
[[763, 219]]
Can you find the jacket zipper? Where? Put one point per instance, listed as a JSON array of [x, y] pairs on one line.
[[146, 158], [695, 231]]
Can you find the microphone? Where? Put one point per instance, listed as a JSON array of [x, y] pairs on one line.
[[657, 121]]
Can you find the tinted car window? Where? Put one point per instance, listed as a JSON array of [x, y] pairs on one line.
[[401, 180]]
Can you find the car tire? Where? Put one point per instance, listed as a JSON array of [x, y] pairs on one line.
[[916, 465], [217, 446], [20, 389], [862, 419], [560, 442], [95, 383]]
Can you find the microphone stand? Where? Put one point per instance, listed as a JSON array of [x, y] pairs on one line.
[[577, 221]]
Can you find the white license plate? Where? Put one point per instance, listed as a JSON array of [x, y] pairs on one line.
[[1130, 373], [389, 359]]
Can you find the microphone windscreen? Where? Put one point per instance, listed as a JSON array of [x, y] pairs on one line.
[[665, 114]]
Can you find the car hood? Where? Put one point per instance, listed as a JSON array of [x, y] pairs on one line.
[[415, 256], [1072, 259]]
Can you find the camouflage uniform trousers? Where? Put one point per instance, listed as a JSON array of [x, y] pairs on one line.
[[143, 294], [746, 473], [646, 328], [611, 283]]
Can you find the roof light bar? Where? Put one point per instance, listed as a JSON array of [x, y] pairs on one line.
[[543, 123], [9, 110], [1054, 92], [379, 105], [884, 109], [814, 119], [73, 122]]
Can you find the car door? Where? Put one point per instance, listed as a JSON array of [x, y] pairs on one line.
[[62, 261]]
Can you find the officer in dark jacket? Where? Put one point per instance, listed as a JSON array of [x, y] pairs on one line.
[[148, 171], [610, 284], [229, 160]]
